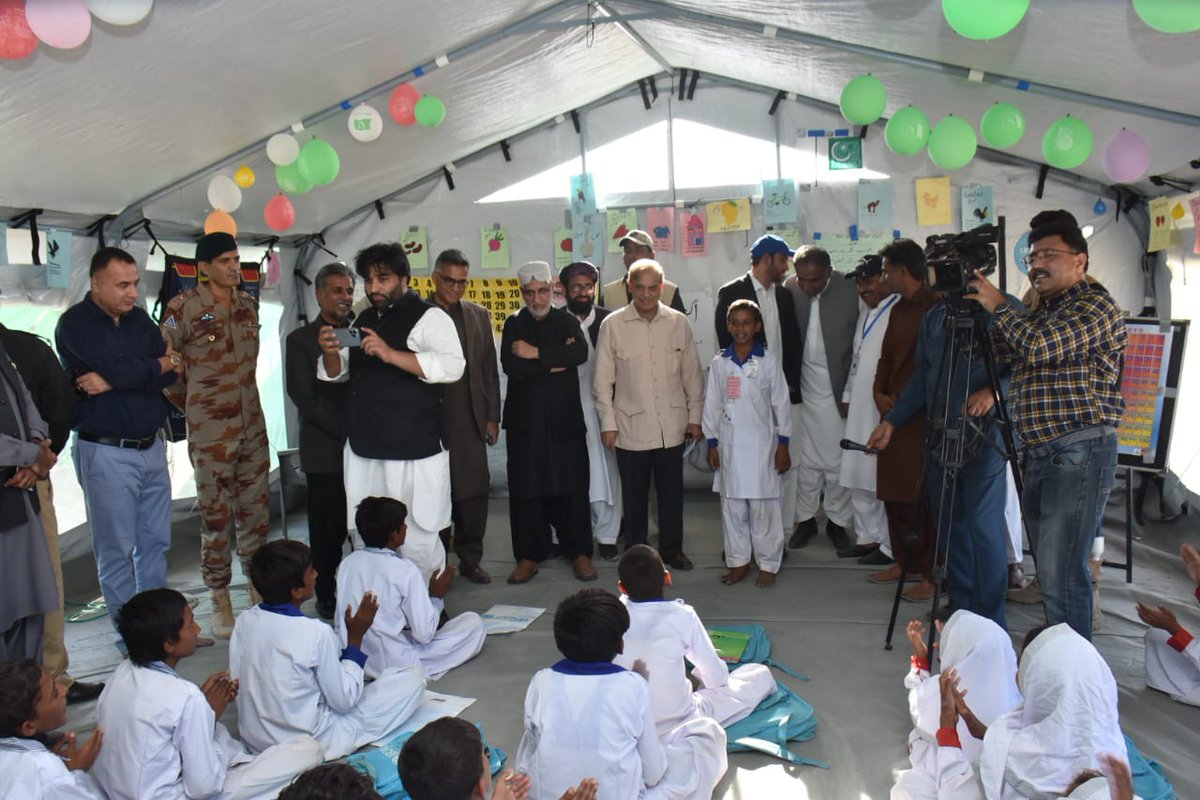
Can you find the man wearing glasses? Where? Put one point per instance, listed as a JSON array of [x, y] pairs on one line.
[[1066, 398], [470, 413]]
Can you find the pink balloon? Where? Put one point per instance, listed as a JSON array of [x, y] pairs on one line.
[[1127, 157], [279, 214], [404, 100], [16, 39], [64, 24]]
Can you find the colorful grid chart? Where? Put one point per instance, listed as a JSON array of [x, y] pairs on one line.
[[500, 296], [1142, 385]]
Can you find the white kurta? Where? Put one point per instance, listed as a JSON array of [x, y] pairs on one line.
[[31, 772], [1176, 672], [604, 481], [421, 484], [816, 449], [405, 632], [162, 740], [664, 633], [858, 469], [294, 681], [1013, 524]]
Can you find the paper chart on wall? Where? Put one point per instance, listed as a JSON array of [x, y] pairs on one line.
[[875, 206], [620, 222], [977, 207], [563, 247], [779, 202], [493, 243], [588, 233], [845, 252], [1160, 225], [58, 258], [660, 224], [583, 195], [727, 216], [933, 201], [415, 242], [695, 232]]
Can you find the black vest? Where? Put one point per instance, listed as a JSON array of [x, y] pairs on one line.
[[12, 423], [392, 414]]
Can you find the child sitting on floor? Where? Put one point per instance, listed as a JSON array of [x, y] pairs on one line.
[[31, 704], [163, 738], [405, 632], [747, 419], [336, 781], [662, 633], [295, 676], [1172, 655]]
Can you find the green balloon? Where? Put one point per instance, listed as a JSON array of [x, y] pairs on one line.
[[984, 19], [318, 162], [952, 143], [1169, 16], [1067, 143], [1003, 125], [907, 131], [290, 180], [863, 100], [429, 111]]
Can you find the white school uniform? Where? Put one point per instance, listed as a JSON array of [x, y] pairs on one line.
[[31, 772], [1171, 670], [747, 410], [162, 740], [662, 633], [858, 469], [295, 679], [405, 632], [604, 481]]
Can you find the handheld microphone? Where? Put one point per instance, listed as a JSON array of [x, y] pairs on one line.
[[846, 444]]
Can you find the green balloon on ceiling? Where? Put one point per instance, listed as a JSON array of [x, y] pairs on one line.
[[952, 143], [1003, 125], [863, 100], [984, 19], [429, 111], [1169, 16], [318, 162], [290, 180], [907, 132], [1067, 143]]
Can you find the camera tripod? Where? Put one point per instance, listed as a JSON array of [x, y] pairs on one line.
[[953, 439]]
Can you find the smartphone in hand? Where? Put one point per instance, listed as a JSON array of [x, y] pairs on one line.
[[348, 337]]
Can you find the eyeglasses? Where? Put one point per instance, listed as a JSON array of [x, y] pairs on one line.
[[1046, 255], [453, 283]]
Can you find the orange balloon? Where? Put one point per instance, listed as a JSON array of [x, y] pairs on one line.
[[220, 221]]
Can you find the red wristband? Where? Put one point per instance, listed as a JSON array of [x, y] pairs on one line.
[[1180, 639], [920, 663], [948, 737]]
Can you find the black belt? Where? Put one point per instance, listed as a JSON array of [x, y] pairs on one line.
[[116, 441]]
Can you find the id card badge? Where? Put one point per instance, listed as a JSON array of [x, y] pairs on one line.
[[854, 366], [733, 387]]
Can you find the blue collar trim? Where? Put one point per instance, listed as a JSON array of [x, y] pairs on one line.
[[287, 609], [757, 351], [569, 667]]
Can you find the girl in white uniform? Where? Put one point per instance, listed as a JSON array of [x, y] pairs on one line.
[[747, 420], [162, 738]]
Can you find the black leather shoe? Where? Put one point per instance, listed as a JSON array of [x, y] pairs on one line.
[[876, 558], [857, 551], [608, 552], [838, 535], [804, 532], [679, 561], [80, 692]]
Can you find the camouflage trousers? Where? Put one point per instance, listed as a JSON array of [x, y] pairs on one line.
[[231, 490]]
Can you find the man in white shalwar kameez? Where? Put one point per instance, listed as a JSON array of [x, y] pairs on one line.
[[858, 469], [1172, 654], [393, 415], [604, 481]]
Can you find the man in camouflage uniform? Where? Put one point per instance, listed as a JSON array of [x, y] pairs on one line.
[[215, 328]]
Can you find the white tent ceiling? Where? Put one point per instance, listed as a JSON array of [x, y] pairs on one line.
[[135, 111]]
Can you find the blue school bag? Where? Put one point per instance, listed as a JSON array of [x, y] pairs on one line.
[[379, 764], [1149, 780], [758, 648]]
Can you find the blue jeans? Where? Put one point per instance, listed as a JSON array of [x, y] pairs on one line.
[[1066, 489]]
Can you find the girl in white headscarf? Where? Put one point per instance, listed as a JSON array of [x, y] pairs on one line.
[[981, 653]]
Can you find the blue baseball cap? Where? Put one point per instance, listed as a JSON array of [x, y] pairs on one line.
[[769, 245]]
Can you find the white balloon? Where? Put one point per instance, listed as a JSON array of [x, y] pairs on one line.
[[365, 123], [224, 194], [120, 12], [283, 149]]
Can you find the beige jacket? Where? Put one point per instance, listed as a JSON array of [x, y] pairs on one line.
[[648, 383]]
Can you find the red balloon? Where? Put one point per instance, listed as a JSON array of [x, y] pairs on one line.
[[404, 100], [16, 37], [279, 214]]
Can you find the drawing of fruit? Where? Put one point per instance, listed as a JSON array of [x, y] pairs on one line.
[[620, 232], [729, 210], [413, 247], [493, 244], [567, 244]]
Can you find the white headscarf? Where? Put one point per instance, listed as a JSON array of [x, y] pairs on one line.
[[982, 652], [1067, 721]]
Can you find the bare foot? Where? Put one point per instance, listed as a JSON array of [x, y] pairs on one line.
[[734, 575], [765, 580]]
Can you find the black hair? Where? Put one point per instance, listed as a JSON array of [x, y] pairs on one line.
[[908, 254], [452, 257], [377, 517], [106, 254], [1031, 635], [744, 305], [149, 620], [641, 569], [1053, 216], [278, 567], [20, 688], [385, 256], [811, 254], [442, 761], [1071, 235], [589, 624], [335, 781], [334, 268]]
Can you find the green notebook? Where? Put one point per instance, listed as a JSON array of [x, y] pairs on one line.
[[730, 645]]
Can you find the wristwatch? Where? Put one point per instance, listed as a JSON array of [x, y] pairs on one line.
[[175, 359]]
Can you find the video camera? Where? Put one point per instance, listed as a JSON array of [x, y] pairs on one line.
[[953, 258]]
